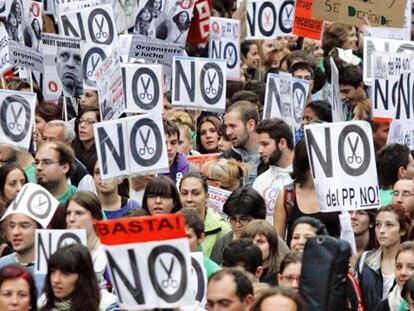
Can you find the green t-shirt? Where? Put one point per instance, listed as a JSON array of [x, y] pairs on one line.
[[30, 173], [385, 197], [64, 198]]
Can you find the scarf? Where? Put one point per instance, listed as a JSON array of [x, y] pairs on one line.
[[65, 305]]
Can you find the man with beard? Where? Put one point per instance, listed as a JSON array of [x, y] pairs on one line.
[[276, 149], [241, 119], [54, 164]]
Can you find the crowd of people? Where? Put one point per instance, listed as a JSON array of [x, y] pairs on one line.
[[255, 247]]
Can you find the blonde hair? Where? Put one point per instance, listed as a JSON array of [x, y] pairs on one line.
[[228, 171], [182, 118]]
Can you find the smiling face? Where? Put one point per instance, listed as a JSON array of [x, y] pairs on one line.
[[301, 234]]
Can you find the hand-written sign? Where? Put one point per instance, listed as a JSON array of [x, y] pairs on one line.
[[149, 261], [342, 161], [326, 10], [4, 50], [304, 25], [216, 199], [401, 132]]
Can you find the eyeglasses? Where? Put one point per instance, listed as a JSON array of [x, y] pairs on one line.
[[21, 225], [243, 220], [88, 121], [404, 194], [291, 278], [46, 162]]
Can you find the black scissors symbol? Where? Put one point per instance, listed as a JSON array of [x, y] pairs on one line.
[[94, 65], [354, 156], [101, 33], [145, 140], [16, 124], [145, 86], [211, 89], [169, 281]]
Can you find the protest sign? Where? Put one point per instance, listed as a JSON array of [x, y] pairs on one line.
[[4, 50], [143, 88], [342, 162], [216, 199], [272, 106], [304, 25], [386, 75], [200, 23], [199, 83], [338, 112], [131, 146], [269, 19], [404, 108], [300, 90], [149, 261], [401, 132], [199, 160], [326, 10], [92, 57], [199, 277], [110, 87], [17, 110], [47, 242], [34, 201], [33, 30], [23, 57], [372, 45], [48, 7], [225, 44]]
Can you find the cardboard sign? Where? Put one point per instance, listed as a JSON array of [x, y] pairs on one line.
[[268, 19], [338, 113], [131, 146], [92, 57], [216, 199], [225, 44], [149, 261], [35, 202], [21, 56], [304, 25], [386, 73], [199, 278], [4, 50], [401, 132], [199, 83], [199, 160], [326, 10], [143, 88], [372, 45], [47, 242], [17, 118], [342, 162], [110, 87]]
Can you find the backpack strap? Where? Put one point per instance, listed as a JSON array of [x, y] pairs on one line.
[[289, 199]]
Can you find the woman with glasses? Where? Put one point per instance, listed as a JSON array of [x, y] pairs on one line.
[[161, 197], [289, 272]]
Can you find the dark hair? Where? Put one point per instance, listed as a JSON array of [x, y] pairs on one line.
[[408, 289], [48, 111], [334, 36], [403, 216], [170, 128], [145, 8], [222, 132], [244, 286], [89, 201], [278, 291], [301, 168], [291, 257], [74, 258], [248, 111], [5, 169], [216, 123], [11, 272], [276, 129], [197, 175], [66, 154], [315, 223], [245, 47], [350, 75], [322, 109], [182, 27], [249, 96], [162, 186], [243, 253], [389, 160], [302, 66], [245, 201], [89, 109], [150, 4], [193, 220], [295, 57]]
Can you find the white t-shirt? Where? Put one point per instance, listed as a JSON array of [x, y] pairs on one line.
[[387, 281]]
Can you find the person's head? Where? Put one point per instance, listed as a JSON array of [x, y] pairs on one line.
[[265, 237], [289, 271], [12, 179], [58, 130], [17, 289], [224, 142], [45, 112], [20, 232], [278, 298], [86, 119], [250, 54], [194, 192], [241, 119], [69, 70], [351, 85], [363, 223], [229, 289], [54, 163], [36, 28], [275, 140], [194, 228], [304, 228], [89, 99], [265, 47], [318, 110], [404, 263], [394, 161], [71, 277], [314, 48], [407, 293], [82, 210], [300, 164], [403, 193], [107, 187], [144, 15], [154, 5], [392, 225], [339, 36], [207, 134], [290, 59], [226, 174], [380, 134], [303, 71], [172, 137], [182, 20], [7, 154], [161, 196], [167, 108]]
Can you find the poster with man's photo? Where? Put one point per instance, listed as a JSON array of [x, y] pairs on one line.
[[167, 20]]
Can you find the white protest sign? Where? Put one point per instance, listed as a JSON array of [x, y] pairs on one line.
[[401, 132], [225, 44], [47, 242], [149, 261], [131, 146], [386, 74], [216, 199], [92, 57], [110, 88], [268, 19], [199, 83], [338, 113], [272, 106], [199, 277], [17, 118], [404, 107], [48, 7], [21, 56], [143, 88], [33, 30], [372, 45], [4, 50], [300, 89], [342, 163], [34, 201], [347, 233]]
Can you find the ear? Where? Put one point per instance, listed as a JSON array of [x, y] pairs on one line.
[[251, 125], [248, 302], [201, 238], [401, 172], [66, 167], [279, 278], [282, 143], [259, 272]]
